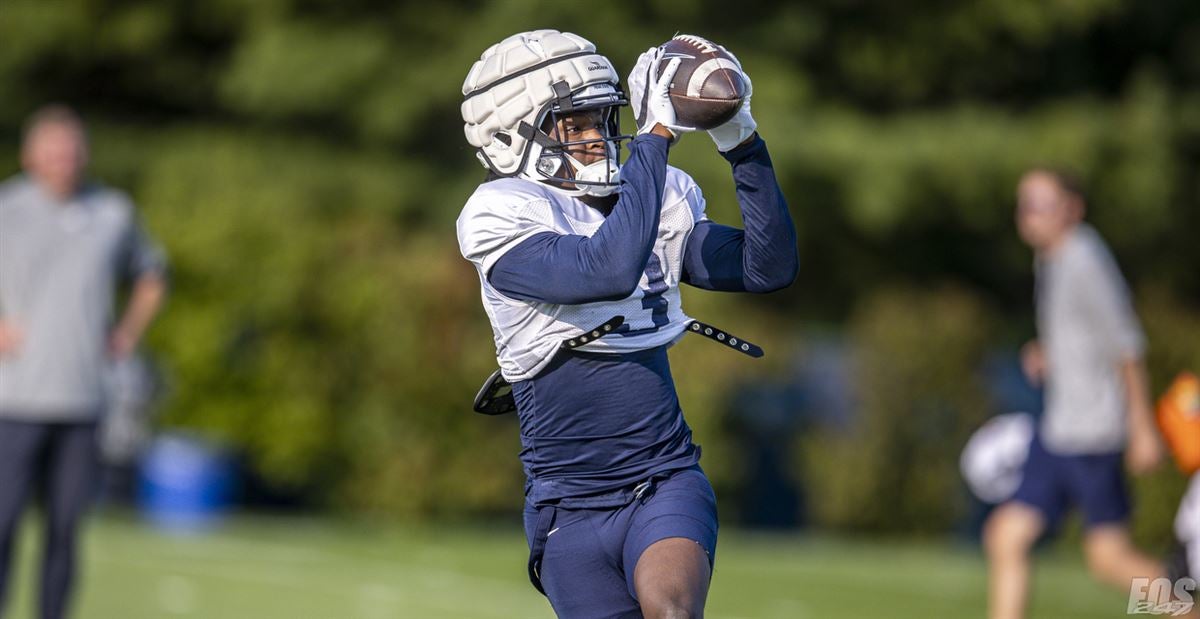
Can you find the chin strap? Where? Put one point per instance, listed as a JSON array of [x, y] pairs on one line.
[[603, 171]]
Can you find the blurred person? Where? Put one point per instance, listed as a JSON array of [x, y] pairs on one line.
[[1089, 356], [620, 518], [65, 244]]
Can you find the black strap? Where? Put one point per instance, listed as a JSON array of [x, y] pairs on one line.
[[537, 545], [527, 131], [562, 92], [495, 397], [724, 337], [590, 336], [526, 70]]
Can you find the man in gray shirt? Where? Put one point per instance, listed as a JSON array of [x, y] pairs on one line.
[[1097, 404], [65, 245]]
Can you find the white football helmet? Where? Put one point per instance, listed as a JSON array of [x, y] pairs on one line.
[[993, 461], [515, 95]]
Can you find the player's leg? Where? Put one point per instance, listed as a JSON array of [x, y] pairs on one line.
[[1013, 528], [1098, 485], [671, 545], [71, 463], [671, 579], [1008, 537], [20, 444], [1114, 560], [574, 556]]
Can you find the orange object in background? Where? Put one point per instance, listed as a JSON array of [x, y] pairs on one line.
[[1179, 420]]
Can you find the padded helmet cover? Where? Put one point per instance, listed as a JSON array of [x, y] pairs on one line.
[[513, 83]]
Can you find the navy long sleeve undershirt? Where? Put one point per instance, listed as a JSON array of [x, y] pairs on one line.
[[574, 269], [761, 258], [570, 269]]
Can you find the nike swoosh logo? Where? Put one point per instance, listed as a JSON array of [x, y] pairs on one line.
[[552, 531]]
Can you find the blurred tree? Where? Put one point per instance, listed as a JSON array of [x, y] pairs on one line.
[[303, 162], [917, 356]]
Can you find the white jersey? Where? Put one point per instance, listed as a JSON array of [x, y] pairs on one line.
[[503, 213]]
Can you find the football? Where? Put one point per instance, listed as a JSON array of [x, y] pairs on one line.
[[708, 88]]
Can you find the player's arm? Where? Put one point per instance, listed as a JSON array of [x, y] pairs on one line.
[[570, 269], [1106, 299], [763, 256], [146, 267], [1145, 450]]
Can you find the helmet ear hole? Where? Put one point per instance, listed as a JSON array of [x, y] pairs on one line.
[[504, 139], [549, 166]]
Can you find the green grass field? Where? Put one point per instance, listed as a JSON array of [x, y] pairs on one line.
[[291, 568]]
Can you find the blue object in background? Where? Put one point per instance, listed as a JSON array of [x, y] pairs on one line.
[[185, 484]]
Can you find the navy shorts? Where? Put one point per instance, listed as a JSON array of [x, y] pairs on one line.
[[585, 560], [1095, 483]]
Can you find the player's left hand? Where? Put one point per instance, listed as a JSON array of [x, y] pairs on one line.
[[739, 128], [1145, 452]]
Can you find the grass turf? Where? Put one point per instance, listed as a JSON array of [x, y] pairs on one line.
[[292, 568]]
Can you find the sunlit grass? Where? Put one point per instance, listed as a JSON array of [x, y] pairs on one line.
[[302, 568]]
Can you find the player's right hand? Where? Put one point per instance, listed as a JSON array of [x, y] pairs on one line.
[[648, 96], [1033, 362]]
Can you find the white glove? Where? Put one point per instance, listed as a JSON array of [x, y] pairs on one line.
[[652, 106], [741, 126]]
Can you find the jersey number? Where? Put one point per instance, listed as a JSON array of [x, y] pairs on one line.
[[652, 299]]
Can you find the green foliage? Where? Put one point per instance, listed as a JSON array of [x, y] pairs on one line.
[[916, 356], [299, 328], [302, 161]]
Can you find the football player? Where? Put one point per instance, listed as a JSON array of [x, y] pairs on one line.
[[620, 518]]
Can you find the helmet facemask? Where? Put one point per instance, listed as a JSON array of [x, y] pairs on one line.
[[578, 145]]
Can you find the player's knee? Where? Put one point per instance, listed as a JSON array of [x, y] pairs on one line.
[[667, 599], [681, 612], [1102, 566], [60, 538], [61, 531], [1009, 532], [995, 535], [1104, 557], [672, 608]]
